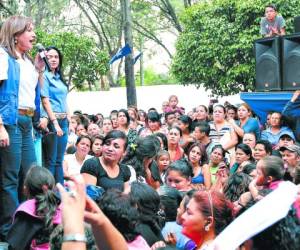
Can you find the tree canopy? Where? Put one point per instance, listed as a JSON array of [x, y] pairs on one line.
[[83, 61], [215, 49]]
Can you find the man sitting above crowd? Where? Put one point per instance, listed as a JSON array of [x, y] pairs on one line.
[[272, 24]]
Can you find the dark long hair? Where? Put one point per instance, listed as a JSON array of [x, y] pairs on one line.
[[170, 199], [146, 147], [186, 120], [246, 149], [116, 134], [126, 114], [236, 185], [40, 183], [121, 211], [59, 69], [148, 203], [182, 166]]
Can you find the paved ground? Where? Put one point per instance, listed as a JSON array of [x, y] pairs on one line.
[[149, 96]]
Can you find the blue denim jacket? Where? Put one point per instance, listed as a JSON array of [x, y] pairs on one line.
[[291, 109], [9, 93]]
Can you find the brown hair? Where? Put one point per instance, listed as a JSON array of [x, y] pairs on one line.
[[213, 203], [273, 166], [173, 96], [246, 106], [12, 27]]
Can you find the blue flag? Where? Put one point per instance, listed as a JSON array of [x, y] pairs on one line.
[[137, 57], [122, 52]]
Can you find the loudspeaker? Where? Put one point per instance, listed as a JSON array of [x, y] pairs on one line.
[[291, 62], [267, 64], [297, 24]]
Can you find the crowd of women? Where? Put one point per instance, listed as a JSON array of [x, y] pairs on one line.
[[136, 179]]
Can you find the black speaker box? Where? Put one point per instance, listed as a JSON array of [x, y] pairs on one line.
[[267, 64], [291, 62]]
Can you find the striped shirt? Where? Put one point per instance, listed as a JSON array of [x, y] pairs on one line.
[[216, 135]]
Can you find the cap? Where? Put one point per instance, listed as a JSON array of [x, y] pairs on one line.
[[77, 112], [288, 133], [292, 148]]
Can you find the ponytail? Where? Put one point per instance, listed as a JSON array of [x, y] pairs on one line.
[[40, 184], [46, 206]]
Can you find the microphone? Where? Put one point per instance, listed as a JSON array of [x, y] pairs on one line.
[[41, 51]]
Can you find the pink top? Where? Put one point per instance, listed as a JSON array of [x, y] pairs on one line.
[[138, 244], [274, 184], [176, 109], [297, 207], [29, 207]]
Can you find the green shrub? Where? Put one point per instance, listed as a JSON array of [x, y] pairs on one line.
[[151, 78]]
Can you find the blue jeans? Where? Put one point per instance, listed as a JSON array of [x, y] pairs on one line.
[[15, 161], [54, 148]]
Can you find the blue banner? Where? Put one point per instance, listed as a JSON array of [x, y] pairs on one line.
[[122, 52]]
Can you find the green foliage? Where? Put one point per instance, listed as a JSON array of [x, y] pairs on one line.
[[215, 49], [151, 78], [83, 62]]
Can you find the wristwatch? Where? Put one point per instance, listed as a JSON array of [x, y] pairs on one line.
[[74, 237]]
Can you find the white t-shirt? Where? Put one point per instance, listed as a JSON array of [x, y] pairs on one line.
[[28, 79], [73, 165], [3, 64]]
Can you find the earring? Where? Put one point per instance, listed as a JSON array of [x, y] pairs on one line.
[[15, 41], [206, 228]]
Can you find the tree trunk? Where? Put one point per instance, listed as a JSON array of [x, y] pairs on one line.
[[119, 71], [129, 67], [111, 81]]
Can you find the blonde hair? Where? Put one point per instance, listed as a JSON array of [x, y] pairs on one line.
[[246, 106], [12, 27]]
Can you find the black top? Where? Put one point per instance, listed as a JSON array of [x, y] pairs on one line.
[[148, 234], [93, 167], [24, 229]]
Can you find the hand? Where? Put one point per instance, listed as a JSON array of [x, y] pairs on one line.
[[93, 214], [171, 239], [4, 137], [73, 205], [59, 131], [198, 187], [273, 31], [231, 121], [242, 165], [295, 95], [43, 123], [191, 139], [222, 175], [158, 244], [252, 184], [222, 164], [253, 188], [39, 62]]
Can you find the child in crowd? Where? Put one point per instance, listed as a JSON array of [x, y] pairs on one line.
[[163, 162], [270, 172], [172, 107], [36, 218]]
